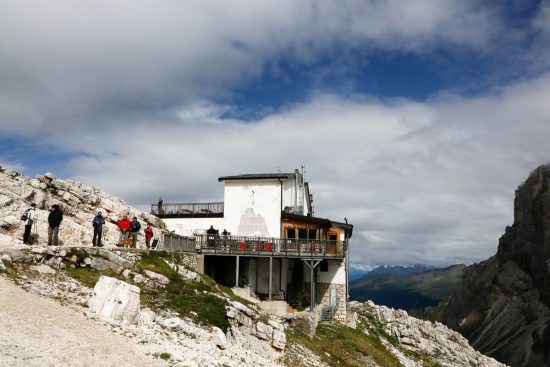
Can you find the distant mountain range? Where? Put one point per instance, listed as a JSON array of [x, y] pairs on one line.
[[407, 287]]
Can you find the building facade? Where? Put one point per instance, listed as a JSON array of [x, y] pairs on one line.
[[268, 240]]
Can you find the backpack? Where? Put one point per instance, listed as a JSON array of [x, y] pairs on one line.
[[25, 215]]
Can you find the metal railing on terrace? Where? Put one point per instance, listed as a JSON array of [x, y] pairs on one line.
[[261, 246], [175, 243], [188, 210], [220, 244]]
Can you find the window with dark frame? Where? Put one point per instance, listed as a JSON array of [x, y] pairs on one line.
[[290, 233]]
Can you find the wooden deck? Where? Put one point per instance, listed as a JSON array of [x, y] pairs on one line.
[[254, 246]]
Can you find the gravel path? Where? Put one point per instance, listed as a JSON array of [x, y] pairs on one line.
[[37, 331]]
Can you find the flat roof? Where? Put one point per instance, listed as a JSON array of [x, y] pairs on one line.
[[258, 176]]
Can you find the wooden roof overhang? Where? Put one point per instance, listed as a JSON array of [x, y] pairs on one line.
[[327, 223]]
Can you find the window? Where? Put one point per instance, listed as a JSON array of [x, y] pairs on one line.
[[312, 234], [323, 266], [302, 233], [290, 233]]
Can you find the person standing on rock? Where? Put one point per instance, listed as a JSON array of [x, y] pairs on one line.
[[54, 221], [135, 226], [29, 221], [98, 223], [148, 235], [124, 228]]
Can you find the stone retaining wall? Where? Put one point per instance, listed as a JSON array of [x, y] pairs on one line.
[[322, 296]]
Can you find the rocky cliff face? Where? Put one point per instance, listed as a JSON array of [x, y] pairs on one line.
[[78, 202], [503, 304]]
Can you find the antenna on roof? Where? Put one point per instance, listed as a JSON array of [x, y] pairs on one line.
[[278, 169]]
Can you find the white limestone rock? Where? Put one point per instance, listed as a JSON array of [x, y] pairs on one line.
[[218, 338], [146, 317], [159, 279], [43, 269], [115, 300], [174, 323], [79, 203], [447, 347]]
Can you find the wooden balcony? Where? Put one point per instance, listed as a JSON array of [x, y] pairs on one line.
[[255, 246]]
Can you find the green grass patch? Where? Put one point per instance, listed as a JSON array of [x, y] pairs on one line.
[[163, 356], [196, 300], [89, 276], [338, 345], [86, 276]]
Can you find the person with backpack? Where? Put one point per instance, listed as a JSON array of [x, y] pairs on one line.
[[148, 235], [135, 226], [28, 218], [54, 221], [98, 223]]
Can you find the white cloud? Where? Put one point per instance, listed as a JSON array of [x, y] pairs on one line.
[[66, 63], [422, 182]]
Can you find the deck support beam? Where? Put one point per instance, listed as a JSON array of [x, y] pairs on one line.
[[312, 264], [270, 277], [237, 272]]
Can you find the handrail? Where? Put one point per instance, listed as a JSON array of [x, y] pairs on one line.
[[264, 246], [202, 209], [230, 244]]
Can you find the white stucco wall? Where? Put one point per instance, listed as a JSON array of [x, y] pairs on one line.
[[253, 208], [190, 226], [336, 273]]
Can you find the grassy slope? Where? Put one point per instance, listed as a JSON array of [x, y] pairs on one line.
[[411, 292], [205, 302]]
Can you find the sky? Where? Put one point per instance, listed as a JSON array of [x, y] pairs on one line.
[[416, 120]]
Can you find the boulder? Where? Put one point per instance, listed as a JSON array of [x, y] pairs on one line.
[[115, 300], [159, 279]]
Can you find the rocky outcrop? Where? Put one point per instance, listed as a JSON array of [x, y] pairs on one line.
[[432, 340], [78, 202], [503, 304], [115, 300]]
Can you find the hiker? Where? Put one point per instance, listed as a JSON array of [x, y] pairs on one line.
[[148, 235], [124, 228], [225, 236], [211, 235], [134, 230], [54, 221], [28, 217], [160, 210], [98, 223]]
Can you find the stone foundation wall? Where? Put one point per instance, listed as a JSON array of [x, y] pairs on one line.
[[192, 260], [322, 294]]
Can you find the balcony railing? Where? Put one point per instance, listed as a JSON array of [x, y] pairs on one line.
[[188, 210], [260, 246], [175, 243], [220, 244]]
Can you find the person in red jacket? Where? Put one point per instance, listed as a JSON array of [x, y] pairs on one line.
[[148, 236], [124, 228]]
